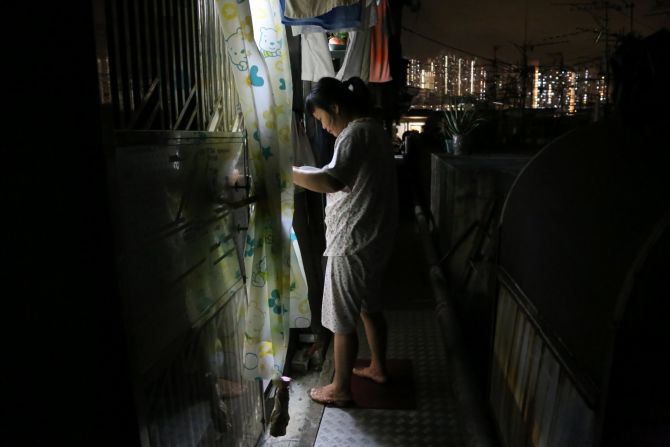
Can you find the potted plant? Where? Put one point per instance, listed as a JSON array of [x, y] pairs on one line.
[[459, 122]]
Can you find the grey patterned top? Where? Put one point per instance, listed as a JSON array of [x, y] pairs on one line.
[[365, 213]]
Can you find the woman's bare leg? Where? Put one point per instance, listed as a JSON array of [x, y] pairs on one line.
[[346, 349], [376, 332]]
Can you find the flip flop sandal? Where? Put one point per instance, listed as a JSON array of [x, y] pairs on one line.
[[340, 403]]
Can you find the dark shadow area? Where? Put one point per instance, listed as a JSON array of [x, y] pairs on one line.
[[66, 372]]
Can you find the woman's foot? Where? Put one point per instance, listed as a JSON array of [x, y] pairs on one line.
[[328, 395], [374, 374]]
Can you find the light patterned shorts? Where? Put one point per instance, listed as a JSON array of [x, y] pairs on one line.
[[352, 284]]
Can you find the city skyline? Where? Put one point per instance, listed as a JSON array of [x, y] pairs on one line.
[[451, 77]]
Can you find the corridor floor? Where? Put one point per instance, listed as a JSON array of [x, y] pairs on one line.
[[413, 334]]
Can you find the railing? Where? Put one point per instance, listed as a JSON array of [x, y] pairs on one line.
[[163, 65], [536, 395]]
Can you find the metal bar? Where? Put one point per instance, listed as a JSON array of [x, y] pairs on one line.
[[214, 122], [205, 19], [195, 32], [218, 78], [138, 47], [194, 114], [193, 48], [117, 64], [173, 64], [184, 109], [216, 90], [228, 97], [201, 74], [231, 99], [211, 52], [147, 39], [188, 43], [154, 113], [204, 51], [156, 47], [135, 117], [165, 70], [180, 46], [129, 58]]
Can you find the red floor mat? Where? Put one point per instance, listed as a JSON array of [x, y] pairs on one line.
[[396, 394]]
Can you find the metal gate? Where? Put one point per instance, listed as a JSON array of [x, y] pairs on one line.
[[182, 212], [179, 185]]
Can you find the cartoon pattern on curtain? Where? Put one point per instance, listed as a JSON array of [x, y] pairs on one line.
[[276, 288]]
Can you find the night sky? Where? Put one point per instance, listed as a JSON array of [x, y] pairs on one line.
[[477, 25]]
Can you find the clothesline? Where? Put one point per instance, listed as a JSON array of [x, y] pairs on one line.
[[367, 54]]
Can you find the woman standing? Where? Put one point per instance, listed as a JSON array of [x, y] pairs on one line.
[[361, 220]]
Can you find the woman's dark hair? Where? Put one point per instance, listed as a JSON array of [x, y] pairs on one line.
[[351, 96]]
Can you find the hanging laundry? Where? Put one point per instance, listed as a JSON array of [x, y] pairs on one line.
[[302, 149], [368, 19], [295, 56], [357, 58], [335, 19], [380, 70], [316, 59], [305, 9], [356, 61]]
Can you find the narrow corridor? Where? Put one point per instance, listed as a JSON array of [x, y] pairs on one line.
[[414, 335]]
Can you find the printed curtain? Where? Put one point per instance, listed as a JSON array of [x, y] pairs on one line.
[[276, 287]]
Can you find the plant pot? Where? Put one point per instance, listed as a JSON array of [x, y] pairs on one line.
[[449, 146], [460, 146]]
